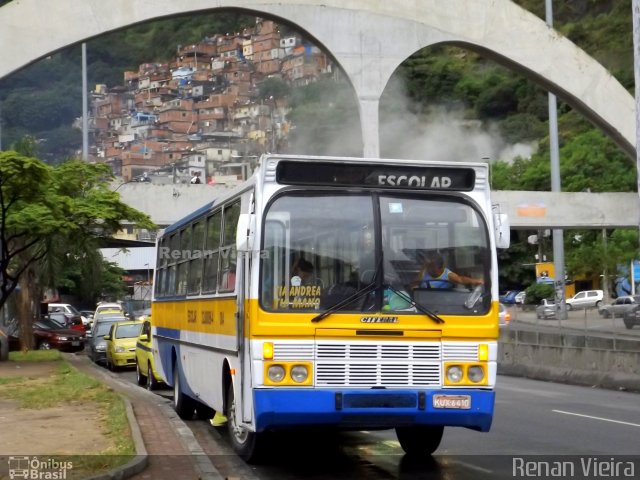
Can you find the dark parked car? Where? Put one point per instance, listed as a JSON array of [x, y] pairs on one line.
[[101, 326], [632, 317], [47, 335], [509, 297]]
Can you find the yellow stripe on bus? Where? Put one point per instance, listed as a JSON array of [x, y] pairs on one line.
[[218, 315], [199, 315]]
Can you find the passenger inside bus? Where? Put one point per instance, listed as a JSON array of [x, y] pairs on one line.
[[302, 273]]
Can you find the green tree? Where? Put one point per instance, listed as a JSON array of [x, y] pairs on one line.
[[46, 213], [273, 87], [535, 292]]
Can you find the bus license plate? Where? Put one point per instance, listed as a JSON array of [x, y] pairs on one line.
[[75, 344], [462, 402]]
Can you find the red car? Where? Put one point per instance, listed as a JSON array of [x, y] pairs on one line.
[[47, 335]]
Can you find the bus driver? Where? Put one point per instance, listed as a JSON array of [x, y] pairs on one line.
[[435, 275]]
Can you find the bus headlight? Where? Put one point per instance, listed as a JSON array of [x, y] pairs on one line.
[[276, 373], [476, 373], [299, 373], [454, 373]]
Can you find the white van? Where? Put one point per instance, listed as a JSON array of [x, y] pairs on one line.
[[585, 299]]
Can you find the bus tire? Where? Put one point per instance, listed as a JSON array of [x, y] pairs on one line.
[[204, 412], [246, 444], [420, 440], [182, 403]]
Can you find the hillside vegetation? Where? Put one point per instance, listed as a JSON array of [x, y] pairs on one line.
[[44, 99]]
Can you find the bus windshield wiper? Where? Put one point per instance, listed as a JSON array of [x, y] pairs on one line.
[[354, 296], [429, 313], [351, 298]]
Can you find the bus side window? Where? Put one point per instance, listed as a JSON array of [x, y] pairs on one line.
[[227, 276], [212, 252]]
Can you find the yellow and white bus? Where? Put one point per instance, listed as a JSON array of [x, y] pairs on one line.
[[298, 300]]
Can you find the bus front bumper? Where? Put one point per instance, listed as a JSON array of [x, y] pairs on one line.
[[370, 409]]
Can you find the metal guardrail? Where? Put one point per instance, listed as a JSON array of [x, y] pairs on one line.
[[584, 328]]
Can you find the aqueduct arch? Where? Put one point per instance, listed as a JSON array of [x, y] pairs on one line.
[[369, 39]]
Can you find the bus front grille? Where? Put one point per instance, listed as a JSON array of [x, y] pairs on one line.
[[359, 374]]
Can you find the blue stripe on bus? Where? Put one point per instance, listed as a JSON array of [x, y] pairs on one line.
[[168, 332], [280, 408]]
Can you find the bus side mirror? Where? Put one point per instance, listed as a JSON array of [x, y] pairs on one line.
[[246, 232], [502, 230]]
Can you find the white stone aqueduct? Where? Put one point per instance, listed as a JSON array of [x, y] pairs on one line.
[[369, 39]]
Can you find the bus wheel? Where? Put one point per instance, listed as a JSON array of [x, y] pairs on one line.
[[245, 443], [420, 440], [140, 378], [204, 412], [182, 404]]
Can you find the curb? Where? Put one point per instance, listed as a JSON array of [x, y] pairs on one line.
[[139, 462], [205, 468]]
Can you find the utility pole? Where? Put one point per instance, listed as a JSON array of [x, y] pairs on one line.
[[558, 234], [85, 107]]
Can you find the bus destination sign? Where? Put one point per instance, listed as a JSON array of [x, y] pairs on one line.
[[382, 176]]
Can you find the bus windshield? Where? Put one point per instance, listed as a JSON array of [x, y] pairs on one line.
[[320, 248]]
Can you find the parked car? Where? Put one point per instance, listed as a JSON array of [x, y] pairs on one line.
[[48, 335], [585, 299], [121, 344], [520, 298], [620, 306], [146, 373], [69, 309], [110, 306], [101, 326], [504, 316], [546, 309], [88, 314], [632, 317], [509, 297]]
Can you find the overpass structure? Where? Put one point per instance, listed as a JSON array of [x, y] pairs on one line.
[[368, 39], [166, 204]]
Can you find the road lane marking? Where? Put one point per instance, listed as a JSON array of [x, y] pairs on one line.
[[598, 418], [471, 466]]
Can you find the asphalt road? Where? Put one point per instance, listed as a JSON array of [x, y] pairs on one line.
[[534, 422]]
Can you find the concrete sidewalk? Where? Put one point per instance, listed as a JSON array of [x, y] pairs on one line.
[[172, 450]]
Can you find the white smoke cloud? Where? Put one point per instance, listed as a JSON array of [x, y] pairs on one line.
[[445, 134]]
